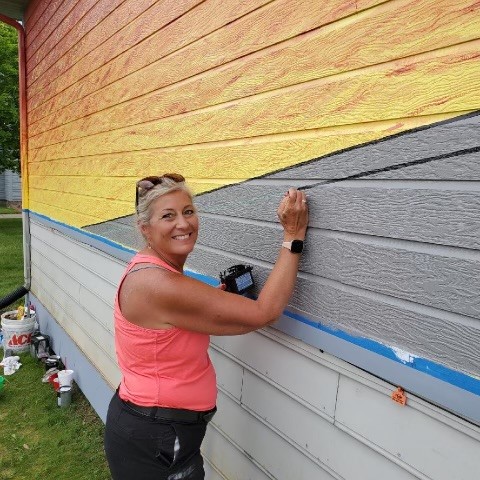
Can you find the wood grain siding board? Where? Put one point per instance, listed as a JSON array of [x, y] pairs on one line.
[[225, 456], [438, 216], [75, 218], [33, 12], [357, 97], [93, 210], [432, 279], [318, 437], [444, 217], [265, 357], [207, 19], [206, 164], [464, 167], [434, 448], [125, 234], [88, 15], [449, 340], [303, 145], [295, 61], [209, 16], [441, 338], [121, 189], [444, 138], [125, 36], [252, 436], [47, 14], [52, 31]]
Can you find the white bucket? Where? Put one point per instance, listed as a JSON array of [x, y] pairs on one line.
[[17, 334], [65, 378]]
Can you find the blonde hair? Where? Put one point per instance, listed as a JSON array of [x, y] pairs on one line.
[[146, 196]]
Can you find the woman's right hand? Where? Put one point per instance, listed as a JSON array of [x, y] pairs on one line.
[[293, 214]]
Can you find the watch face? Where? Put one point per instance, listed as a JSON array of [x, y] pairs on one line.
[[297, 246]]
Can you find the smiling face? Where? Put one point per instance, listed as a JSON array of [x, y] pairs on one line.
[[173, 227]]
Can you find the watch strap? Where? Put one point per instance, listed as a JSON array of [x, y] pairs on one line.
[[295, 246]]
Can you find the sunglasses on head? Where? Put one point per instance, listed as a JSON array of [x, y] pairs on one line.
[[147, 183]]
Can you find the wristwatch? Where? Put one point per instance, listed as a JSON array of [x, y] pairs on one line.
[[295, 246]]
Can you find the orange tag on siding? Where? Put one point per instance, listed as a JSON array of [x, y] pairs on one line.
[[399, 396]]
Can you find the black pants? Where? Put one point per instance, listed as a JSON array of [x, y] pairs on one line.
[[138, 447]]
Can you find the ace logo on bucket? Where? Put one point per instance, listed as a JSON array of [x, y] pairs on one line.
[[19, 340], [17, 334]]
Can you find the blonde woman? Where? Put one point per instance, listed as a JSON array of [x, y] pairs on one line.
[[158, 417]]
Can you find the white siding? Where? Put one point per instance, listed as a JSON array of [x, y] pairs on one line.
[[76, 284], [302, 414]]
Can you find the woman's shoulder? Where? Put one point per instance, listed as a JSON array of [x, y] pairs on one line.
[[141, 258]]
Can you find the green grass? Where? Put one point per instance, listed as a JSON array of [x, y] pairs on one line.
[[11, 256], [38, 439], [7, 210]]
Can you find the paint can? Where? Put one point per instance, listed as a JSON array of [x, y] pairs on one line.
[[17, 334], [64, 396]]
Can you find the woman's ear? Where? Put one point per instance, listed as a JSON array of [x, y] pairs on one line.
[[144, 231]]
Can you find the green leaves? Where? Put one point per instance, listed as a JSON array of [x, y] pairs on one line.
[[9, 110]]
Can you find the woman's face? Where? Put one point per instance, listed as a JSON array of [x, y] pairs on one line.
[[173, 226]]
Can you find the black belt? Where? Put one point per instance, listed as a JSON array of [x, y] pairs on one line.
[[172, 414]]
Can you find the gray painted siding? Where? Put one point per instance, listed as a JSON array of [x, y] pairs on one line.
[[393, 257], [441, 140], [375, 316]]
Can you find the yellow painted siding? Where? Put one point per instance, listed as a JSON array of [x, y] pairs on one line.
[[223, 91]]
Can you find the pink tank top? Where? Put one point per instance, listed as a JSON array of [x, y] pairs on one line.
[[166, 368]]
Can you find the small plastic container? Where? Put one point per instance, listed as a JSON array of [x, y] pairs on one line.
[[65, 377]]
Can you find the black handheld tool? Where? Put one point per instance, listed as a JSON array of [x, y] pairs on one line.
[[238, 279]]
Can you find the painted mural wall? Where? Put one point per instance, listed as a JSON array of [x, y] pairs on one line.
[[246, 98]]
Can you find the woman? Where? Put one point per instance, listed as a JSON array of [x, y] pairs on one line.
[[158, 417]]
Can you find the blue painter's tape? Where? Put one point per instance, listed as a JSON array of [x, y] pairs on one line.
[[203, 278], [459, 379]]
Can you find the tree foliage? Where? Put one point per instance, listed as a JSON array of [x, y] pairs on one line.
[[9, 113]]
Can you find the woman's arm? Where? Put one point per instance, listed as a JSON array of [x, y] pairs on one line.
[[158, 299]]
